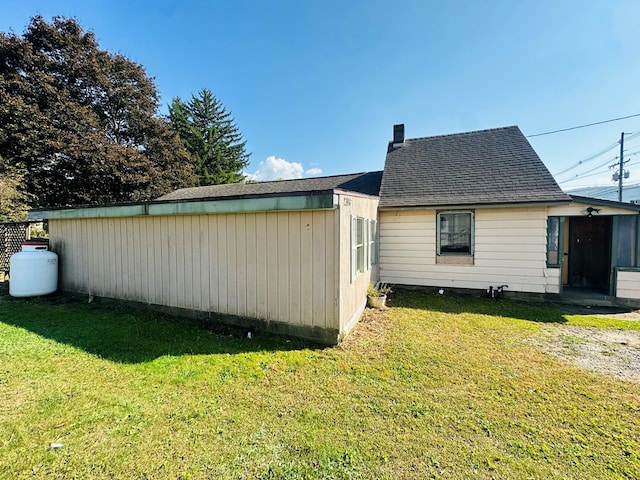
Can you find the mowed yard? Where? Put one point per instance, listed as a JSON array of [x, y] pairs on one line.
[[436, 387]]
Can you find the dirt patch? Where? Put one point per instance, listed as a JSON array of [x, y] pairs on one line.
[[613, 352], [368, 332]]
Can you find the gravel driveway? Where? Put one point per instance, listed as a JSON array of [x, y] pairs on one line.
[[610, 351]]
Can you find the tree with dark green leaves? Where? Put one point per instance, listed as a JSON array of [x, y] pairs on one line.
[[211, 137], [82, 123]]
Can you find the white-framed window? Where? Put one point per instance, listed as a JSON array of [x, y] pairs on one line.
[[455, 232], [372, 250], [555, 240], [364, 245]]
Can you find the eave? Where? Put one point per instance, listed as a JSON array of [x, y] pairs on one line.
[[320, 201]]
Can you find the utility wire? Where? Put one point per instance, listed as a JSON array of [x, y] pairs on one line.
[[583, 126], [591, 175], [588, 159], [596, 155], [600, 165]]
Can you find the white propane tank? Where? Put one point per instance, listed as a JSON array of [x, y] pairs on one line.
[[33, 271]]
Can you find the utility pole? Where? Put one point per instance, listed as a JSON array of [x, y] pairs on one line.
[[621, 167], [621, 174]]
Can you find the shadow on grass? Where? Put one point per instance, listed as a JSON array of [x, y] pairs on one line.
[[125, 335], [458, 304]]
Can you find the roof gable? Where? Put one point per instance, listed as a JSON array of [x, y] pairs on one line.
[[485, 167]]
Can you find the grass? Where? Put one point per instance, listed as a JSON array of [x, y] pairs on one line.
[[439, 387]]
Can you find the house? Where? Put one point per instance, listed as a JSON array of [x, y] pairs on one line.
[[468, 211], [479, 209]]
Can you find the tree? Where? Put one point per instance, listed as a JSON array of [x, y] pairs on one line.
[[211, 137], [82, 123], [14, 201]]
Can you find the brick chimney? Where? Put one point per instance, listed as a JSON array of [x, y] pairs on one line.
[[398, 137], [398, 134]]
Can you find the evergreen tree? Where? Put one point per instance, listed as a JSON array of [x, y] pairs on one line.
[[82, 123], [211, 137], [14, 201]]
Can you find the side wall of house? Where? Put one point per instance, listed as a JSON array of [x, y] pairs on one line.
[[275, 266], [510, 249], [353, 295]]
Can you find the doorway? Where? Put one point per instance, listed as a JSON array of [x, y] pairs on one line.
[[589, 252]]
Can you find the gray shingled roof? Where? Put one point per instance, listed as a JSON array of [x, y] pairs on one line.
[[485, 167], [367, 183]]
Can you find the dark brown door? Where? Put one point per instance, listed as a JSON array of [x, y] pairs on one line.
[[590, 252]]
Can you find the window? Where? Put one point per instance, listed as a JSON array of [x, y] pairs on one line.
[[359, 245], [555, 240], [372, 251], [364, 245], [455, 233]]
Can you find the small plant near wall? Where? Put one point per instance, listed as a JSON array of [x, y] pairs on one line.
[[377, 294]]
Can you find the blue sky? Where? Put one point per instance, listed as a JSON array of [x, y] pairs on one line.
[[316, 86]]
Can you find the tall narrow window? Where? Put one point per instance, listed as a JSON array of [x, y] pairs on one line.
[[455, 233], [372, 243], [554, 244], [360, 244]]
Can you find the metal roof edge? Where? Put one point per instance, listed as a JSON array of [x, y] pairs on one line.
[[196, 206]]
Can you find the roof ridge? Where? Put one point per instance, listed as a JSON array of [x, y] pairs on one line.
[[464, 133], [309, 178], [283, 180]]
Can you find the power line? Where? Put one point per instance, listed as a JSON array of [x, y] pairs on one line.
[[591, 175], [583, 126], [596, 155], [588, 159], [600, 165]]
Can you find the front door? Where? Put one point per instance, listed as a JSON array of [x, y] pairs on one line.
[[590, 252]]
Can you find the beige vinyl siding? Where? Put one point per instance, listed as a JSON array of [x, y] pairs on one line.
[[510, 248], [276, 266], [628, 284], [353, 295]]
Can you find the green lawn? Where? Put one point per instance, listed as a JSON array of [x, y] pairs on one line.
[[439, 387]]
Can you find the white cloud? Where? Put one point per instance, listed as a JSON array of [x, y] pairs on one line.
[[280, 169]]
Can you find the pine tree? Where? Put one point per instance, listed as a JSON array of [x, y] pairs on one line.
[[211, 137]]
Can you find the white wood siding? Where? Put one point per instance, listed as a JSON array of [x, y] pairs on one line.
[[628, 285], [553, 280], [276, 266], [510, 248]]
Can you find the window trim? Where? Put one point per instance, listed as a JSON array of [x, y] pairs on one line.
[[472, 238], [368, 255]]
